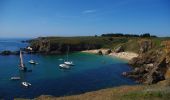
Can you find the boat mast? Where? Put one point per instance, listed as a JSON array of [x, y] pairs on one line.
[[21, 60], [67, 52]]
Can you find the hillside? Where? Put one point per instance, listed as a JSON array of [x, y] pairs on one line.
[[159, 91], [58, 45]]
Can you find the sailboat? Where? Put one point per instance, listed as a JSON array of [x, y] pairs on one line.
[[26, 84], [64, 66], [31, 61], [21, 65], [67, 62]]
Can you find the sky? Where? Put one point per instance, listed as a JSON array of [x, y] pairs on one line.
[[34, 18]]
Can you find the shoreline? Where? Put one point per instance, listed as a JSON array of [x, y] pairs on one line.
[[122, 55]]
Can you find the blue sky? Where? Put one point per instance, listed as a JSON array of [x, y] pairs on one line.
[[32, 18]]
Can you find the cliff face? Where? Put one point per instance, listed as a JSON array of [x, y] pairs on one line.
[[58, 46], [152, 65]]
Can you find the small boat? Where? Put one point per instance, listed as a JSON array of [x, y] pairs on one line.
[[32, 62], [15, 78], [70, 63], [67, 62], [64, 66], [26, 84]]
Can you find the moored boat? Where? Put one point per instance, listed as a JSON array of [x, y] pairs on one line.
[[15, 78], [26, 84], [64, 66], [32, 62], [67, 62]]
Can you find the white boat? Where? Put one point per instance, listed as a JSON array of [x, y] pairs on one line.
[[67, 62], [15, 78], [26, 84], [32, 62], [64, 66]]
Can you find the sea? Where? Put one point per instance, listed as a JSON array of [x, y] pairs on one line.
[[90, 73]]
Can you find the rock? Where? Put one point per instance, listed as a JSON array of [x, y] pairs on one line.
[[119, 49], [146, 58], [150, 67], [6, 52], [164, 83], [99, 52], [145, 45], [108, 51], [167, 74]]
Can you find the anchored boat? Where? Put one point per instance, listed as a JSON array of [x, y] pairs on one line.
[[67, 62], [15, 78], [26, 84], [32, 62], [21, 65]]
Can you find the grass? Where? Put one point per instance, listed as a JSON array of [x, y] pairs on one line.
[[137, 92]]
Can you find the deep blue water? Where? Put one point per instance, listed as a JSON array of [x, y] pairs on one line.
[[11, 44], [92, 72]]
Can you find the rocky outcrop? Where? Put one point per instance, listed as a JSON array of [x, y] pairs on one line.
[[151, 66], [145, 45], [7, 52], [100, 52]]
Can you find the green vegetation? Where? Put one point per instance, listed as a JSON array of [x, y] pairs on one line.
[[145, 35], [138, 92], [60, 44]]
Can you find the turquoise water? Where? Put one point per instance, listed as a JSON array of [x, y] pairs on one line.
[[92, 72]]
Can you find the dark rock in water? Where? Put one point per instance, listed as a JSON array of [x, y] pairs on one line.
[[6, 52], [119, 49], [99, 52]]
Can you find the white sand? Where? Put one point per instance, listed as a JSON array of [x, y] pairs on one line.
[[122, 55]]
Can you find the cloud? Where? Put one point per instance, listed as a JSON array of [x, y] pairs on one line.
[[89, 11]]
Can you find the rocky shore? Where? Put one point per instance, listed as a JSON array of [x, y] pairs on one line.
[[152, 65]]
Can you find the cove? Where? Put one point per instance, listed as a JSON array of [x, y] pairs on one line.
[[91, 73]]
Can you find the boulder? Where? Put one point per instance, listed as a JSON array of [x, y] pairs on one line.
[[100, 52], [108, 51]]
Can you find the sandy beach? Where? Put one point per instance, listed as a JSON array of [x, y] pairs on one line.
[[122, 55]]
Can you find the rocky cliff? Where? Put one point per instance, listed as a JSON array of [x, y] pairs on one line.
[[58, 45], [152, 65]]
